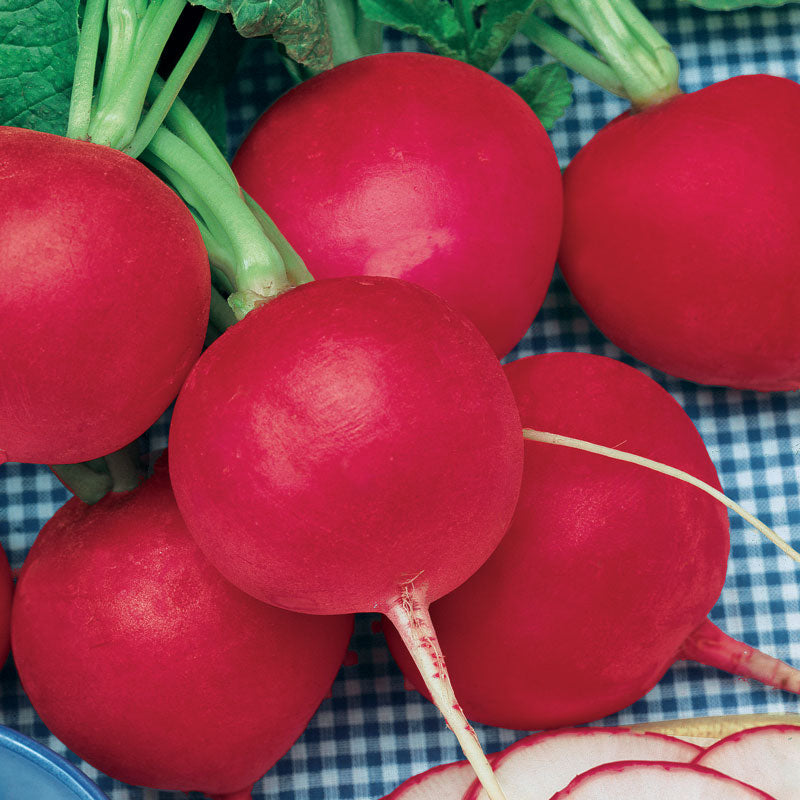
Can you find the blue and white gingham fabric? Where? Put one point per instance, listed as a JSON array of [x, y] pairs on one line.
[[372, 733]]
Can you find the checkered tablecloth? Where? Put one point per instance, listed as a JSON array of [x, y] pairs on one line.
[[371, 733]]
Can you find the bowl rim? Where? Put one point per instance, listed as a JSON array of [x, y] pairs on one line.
[[51, 762]]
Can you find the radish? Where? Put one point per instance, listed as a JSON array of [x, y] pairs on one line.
[[538, 766], [679, 224], [643, 556], [6, 596], [105, 304], [352, 445], [632, 780], [767, 757], [445, 782], [145, 662], [419, 167]]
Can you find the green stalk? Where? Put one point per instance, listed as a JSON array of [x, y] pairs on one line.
[[572, 55], [80, 107], [168, 94], [115, 123], [123, 24], [259, 270], [635, 61], [184, 124]]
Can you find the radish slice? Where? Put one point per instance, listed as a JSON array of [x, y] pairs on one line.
[[767, 757], [636, 780], [445, 782], [539, 765]]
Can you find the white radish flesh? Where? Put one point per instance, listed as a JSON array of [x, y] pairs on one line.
[[643, 780], [445, 782], [767, 757], [539, 765]]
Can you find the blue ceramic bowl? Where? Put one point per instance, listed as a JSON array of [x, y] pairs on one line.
[[31, 771]]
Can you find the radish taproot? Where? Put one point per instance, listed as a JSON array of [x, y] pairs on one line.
[[679, 231], [644, 557], [352, 445], [767, 757], [419, 167], [633, 780], [538, 766], [144, 661], [104, 306]]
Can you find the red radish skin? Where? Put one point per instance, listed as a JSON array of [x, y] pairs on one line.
[[767, 757], [104, 303], [6, 597], [538, 766], [445, 782], [145, 662], [608, 570], [418, 167], [352, 445], [680, 236], [631, 780]]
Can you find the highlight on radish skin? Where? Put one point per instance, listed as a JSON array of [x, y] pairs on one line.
[[150, 666], [538, 766], [767, 757], [352, 445], [644, 557], [631, 780]]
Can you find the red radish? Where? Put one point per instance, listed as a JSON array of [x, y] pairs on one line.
[[104, 306], [144, 661], [445, 782], [6, 596], [680, 233], [767, 757], [608, 571], [419, 167], [538, 766], [352, 445], [631, 780]]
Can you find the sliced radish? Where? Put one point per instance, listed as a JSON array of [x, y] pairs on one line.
[[658, 780], [539, 765], [445, 782], [767, 757]]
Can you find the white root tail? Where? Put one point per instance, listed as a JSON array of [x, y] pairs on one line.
[[664, 469], [410, 616]]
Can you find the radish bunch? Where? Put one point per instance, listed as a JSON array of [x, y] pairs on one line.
[[352, 443]]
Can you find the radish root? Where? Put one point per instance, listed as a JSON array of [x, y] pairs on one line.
[[715, 727], [579, 444], [710, 646], [410, 615]]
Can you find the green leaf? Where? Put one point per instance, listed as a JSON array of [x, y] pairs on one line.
[[491, 24], [38, 44], [301, 26], [434, 21], [547, 90], [733, 5]]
